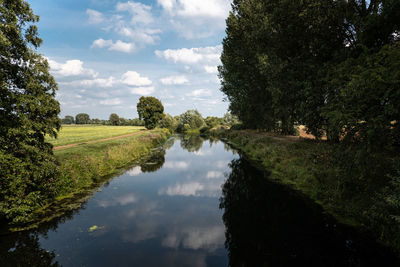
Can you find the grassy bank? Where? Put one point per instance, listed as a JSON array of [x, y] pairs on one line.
[[84, 167], [313, 167]]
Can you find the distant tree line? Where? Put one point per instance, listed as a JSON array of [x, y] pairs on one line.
[[114, 119]]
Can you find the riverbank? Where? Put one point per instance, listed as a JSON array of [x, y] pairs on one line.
[[312, 167], [83, 168]]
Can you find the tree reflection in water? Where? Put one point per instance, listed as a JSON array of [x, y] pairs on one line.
[[192, 143], [155, 162], [268, 224]]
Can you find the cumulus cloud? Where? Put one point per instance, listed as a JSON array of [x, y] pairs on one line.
[[134, 21], [196, 18], [141, 13], [111, 102], [200, 92], [176, 165], [211, 69], [197, 56], [135, 79], [174, 80], [143, 90], [214, 174], [187, 189], [119, 45], [95, 17], [70, 68], [134, 171]]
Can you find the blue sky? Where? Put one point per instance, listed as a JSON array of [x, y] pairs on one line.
[[105, 54]]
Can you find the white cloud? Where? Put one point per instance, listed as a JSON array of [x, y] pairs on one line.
[[119, 45], [134, 171], [122, 47], [95, 17], [200, 92], [211, 69], [188, 189], [140, 13], [176, 165], [196, 18], [109, 82], [210, 54], [143, 90], [214, 174], [121, 200], [70, 68], [134, 79], [111, 102], [174, 80], [140, 35]]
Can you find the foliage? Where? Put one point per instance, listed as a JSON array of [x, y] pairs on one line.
[[285, 62], [211, 122], [190, 119], [68, 120], [114, 119], [168, 122], [28, 112], [82, 118], [150, 110]]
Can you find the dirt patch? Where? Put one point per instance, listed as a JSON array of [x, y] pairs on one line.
[[96, 141]]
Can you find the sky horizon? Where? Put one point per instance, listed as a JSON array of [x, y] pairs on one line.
[[106, 54]]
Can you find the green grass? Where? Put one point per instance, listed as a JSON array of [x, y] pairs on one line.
[[71, 134], [313, 167]]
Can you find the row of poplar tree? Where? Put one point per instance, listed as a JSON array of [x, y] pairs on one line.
[[332, 65]]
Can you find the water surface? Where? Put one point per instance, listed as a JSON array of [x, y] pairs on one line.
[[195, 203]]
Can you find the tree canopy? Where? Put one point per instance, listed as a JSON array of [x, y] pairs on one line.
[[114, 119], [82, 118], [28, 112], [150, 109], [286, 62]]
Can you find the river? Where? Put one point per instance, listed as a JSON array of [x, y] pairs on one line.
[[196, 202]]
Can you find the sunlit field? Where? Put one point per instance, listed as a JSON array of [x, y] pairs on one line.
[[70, 134]]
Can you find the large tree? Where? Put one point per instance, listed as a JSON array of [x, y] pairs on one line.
[[82, 118], [28, 112], [114, 119], [150, 109]]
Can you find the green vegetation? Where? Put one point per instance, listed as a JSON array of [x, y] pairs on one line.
[[150, 110], [114, 119], [70, 134], [315, 168], [84, 167], [28, 112], [82, 118], [333, 66]]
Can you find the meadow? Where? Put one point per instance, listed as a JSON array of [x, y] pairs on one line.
[[71, 134]]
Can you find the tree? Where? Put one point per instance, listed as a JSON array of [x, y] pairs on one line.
[[192, 118], [114, 119], [150, 109], [82, 118], [68, 120], [28, 112], [168, 122]]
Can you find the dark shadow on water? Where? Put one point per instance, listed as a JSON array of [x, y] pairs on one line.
[[268, 224]]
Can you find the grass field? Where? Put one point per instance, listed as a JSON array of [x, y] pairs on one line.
[[70, 134]]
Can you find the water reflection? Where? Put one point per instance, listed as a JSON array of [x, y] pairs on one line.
[[155, 162], [165, 213], [270, 225], [192, 143]]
